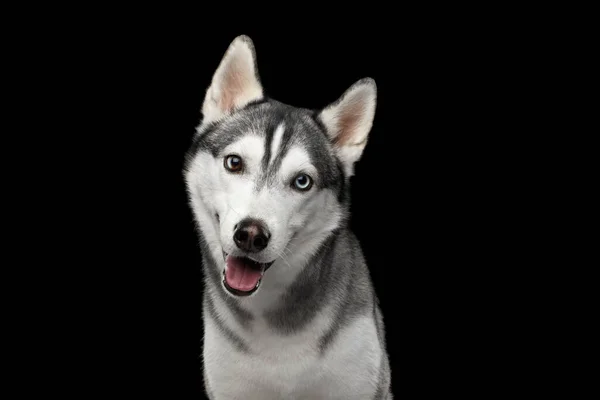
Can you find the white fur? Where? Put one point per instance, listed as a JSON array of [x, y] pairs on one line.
[[277, 366], [290, 367], [290, 363], [214, 190], [276, 142]]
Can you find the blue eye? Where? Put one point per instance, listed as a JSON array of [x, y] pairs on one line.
[[302, 182]]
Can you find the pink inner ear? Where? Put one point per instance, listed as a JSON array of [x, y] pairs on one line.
[[235, 81], [229, 90], [348, 121]]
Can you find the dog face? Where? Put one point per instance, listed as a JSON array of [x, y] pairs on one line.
[[267, 182]]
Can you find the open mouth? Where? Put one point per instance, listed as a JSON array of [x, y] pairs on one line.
[[242, 275]]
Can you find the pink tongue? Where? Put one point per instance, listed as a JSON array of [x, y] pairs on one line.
[[240, 275]]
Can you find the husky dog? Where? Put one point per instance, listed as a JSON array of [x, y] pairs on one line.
[[289, 310]]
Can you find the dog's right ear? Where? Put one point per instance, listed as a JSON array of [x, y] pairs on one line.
[[235, 83]]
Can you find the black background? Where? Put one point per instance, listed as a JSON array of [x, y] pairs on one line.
[[136, 309]]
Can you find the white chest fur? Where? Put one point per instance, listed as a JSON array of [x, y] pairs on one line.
[[291, 366]]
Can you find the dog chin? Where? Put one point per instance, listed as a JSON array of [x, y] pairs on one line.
[[242, 275]]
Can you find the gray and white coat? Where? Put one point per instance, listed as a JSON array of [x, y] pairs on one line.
[[313, 328]]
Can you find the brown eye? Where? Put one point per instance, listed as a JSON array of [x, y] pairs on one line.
[[233, 163]]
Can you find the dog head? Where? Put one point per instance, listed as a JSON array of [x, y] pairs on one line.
[[268, 182]]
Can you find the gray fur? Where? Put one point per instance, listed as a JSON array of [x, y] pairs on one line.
[[211, 312], [207, 389], [351, 290], [335, 278], [336, 275], [213, 278], [383, 389], [262, 118]]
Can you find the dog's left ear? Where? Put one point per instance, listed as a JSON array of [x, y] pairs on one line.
[[235, 83], [349, 120]]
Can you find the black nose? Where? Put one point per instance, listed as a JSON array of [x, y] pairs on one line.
[[251, 235]]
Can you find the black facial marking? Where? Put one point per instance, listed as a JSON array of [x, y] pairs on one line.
[[270, 132], [262, 118], [267, 169]]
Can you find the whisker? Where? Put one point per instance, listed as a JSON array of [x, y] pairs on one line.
[[284, 259]]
